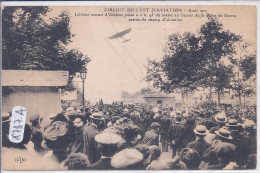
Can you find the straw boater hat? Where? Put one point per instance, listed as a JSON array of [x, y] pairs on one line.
[[6, 117], [224, 133], [249, 124], [201, 130], [51, 116], [233, 123], [221, 117], [78, 122], [97, 116]]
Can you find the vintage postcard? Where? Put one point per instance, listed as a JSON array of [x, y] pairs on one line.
[[129, 87]]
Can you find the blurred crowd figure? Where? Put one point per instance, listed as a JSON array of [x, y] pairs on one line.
[[141, 137]]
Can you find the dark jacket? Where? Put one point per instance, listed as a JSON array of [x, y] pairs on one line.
[[200, 145], [90, 146], [37, 138], [78, 144], [151, 138], [175, 133]]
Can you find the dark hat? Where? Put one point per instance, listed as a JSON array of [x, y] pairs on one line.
[[201, 130], [34, 117], [126, 158], [97, 116], [178, 119], [155, 124], [224, 133], [6, 117], [108, 138], [131, 131], [233, 123]]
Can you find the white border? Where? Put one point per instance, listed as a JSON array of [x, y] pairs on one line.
[[102, 3]]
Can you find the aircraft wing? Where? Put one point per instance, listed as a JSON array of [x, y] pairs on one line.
[[120, 34]]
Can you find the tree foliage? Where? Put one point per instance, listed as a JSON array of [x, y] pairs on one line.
[[34, 41], [201, 59]]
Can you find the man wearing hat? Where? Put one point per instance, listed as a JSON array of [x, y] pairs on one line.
[[221, 119], [89, 133], [36, 137], [200, 145], [175, 135], [108, 146], [165, 123], [151, 137], [225, 153], [250, 136], [223, 136], [238, 140], [78, 143]]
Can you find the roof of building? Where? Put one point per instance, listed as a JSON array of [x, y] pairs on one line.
[[34, 78], [158, 95]]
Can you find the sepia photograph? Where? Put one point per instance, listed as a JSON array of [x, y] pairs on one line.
[[129, 87]]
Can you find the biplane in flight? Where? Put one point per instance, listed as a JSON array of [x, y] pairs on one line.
[[121, 34]]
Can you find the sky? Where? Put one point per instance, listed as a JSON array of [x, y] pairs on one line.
[[117, 66]]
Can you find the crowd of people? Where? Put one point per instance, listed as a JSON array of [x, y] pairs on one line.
[[143, 137]]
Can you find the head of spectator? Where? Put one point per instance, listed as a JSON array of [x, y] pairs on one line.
[[127, 159], [251, 162], [233, 125], [36, 120], [155, 126], [200, 131], [78, 123], [223, 135], [76, 161], [108, 143], [97, 119], [132, 134], [191, 158], [221, 118], [249, 125], [72, 115], [6, 117], [178, 119], [51, 117], [225, 152]]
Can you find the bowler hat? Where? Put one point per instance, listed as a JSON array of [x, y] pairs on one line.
[[224, 133], [201, 130]]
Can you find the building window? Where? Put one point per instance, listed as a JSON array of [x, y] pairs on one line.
[[159, 101]]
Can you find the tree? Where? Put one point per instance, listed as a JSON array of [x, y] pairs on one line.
[[33, 41], [217, 45], [244, 80], [195, 60]]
